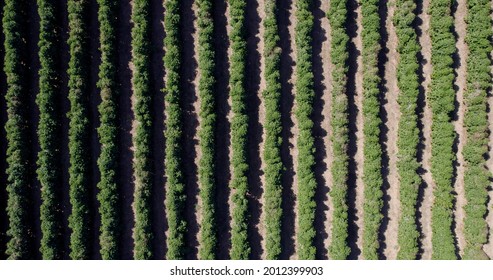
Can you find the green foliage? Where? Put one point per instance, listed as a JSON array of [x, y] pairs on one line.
[[372, 176], [16, 127], [476, 175], [49, 133], [273, 129], [337, 14], [441, 100], [208, 234], [175, 197], [79, 131], [141, 38], [240, 247], [305, 142], [408, 133], [109, 198]]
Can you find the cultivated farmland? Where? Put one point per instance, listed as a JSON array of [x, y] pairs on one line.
[[246, 129]]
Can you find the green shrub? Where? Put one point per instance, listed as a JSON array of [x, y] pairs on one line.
[[142, 138], [79, 131], [18, 186], [476, 176], [337, 14], [109, 197], [441, 99], [305, 141], [408, 133], [175, 197]]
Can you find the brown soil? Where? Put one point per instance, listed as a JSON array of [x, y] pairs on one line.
[[261, 118], [159, 223], [190, 105], [461, 84], [287, 103], [223, 151], [393, 117], [359, 156], [294, 131], [322, 127], [127, 124], [425, 209]]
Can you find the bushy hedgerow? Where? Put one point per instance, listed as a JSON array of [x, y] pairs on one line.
[[206, 65], [16, 127], [372, 175], [108, 196], [240, 247], [175, 197], [305, 142], [337, 14], [79, 131], [476, 177], [49, 133], [441, 100], [273, 129], [408, 133], [141, 37]]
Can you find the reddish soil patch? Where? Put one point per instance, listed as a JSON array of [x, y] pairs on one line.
[[461, 84], [393, 117], [426, 120]]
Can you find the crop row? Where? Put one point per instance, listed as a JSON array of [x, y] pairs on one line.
[[79, 131], [240, 248], [206, 65], [476, 177], [408, 133], [108, 196], [18, 174], [441, 99], [372, 176], [338, 14], [175, 196], [49, 158], [142, 138], [273, 129], [305, 142]]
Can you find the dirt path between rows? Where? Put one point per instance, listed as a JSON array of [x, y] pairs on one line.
[[488, 247], [426, 120], [393, 117], [294, 130], [223, 137], [287, 99], [461, 84], [359, 156], [127, 128], [322, 66], [260, 227], [190, 110]]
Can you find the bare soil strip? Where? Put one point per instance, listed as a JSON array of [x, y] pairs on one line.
[[488, 247], [461, 84], [159, 223], [392, 124], [294, 131], [286, 71], [127, 124], [94, 101], [223, 146], [359, 156], [190, 111], [261, 119], [428, 197], [323, 102]]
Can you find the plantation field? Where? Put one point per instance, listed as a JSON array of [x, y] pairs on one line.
[[246, 129]]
